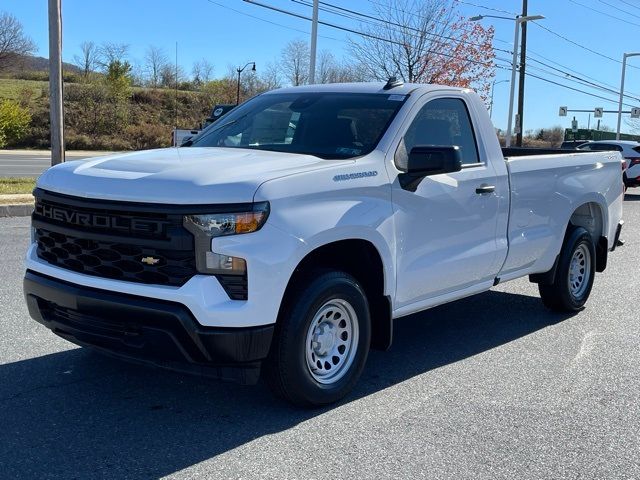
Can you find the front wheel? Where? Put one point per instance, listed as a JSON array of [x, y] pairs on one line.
[[322, 340], [574, 275]]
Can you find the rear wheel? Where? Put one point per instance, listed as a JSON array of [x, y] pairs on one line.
[[322, 340], [574, 275]]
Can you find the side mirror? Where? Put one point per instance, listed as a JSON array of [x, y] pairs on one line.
[[425, 160]]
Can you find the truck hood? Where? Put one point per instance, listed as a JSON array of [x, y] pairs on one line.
[[177, 176]]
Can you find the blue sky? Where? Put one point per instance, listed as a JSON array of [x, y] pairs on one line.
[[232, 32]]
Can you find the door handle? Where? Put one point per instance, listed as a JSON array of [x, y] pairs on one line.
[[484, 188]]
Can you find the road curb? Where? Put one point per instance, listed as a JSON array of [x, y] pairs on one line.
[[19, 210]]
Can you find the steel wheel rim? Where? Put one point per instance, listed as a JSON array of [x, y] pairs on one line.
[[579, 271], [332, 341]]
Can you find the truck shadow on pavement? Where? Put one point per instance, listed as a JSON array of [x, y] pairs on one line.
[[76, 414], [628, 197]]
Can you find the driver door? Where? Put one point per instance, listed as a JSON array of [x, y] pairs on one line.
[[446, 229]]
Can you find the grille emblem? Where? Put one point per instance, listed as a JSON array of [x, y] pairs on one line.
[[150, 260]]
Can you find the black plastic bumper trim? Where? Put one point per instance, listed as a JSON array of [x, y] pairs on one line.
[[146, 330], [616, 240]]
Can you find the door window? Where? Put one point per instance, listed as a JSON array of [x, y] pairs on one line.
[[444, 121], [602, 147]]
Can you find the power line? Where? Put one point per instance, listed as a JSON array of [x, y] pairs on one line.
[[577, 44], [354, 15], [379, 4], [621, 9], [576, 89], [268, 21], [604, 13], [583, 81], [364, 34], [630, 4], [532, 53], [487, 8], [322, 22], [504, 66]]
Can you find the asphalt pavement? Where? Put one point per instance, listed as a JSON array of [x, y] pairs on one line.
[[32, 164], [489, 387]]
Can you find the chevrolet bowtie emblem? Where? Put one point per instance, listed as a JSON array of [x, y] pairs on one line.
[[150, 260]]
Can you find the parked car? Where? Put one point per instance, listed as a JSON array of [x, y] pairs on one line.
[[292, 234], [218, 112], [183, 137], [629, 150], [572, 144], [180, 136]]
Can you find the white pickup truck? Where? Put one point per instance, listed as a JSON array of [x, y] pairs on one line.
[[291, 235]]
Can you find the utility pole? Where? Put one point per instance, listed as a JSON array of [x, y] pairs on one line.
[[624, 66], [523, 55], [314, 42], [56, 111]]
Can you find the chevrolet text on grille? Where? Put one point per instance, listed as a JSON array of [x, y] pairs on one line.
[[99, 220]]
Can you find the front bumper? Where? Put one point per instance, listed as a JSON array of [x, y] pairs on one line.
[[146, 330]]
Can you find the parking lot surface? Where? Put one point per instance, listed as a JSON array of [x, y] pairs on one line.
[[493, 386]]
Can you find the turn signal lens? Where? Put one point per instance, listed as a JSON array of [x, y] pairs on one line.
[[221, 224]]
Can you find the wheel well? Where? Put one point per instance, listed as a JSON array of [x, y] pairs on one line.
[[589, 216], [361, 259]]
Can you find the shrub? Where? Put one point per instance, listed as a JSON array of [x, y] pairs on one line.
[[14, 122], [143, 137]]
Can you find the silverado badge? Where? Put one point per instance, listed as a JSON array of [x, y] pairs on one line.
[[150, 260]]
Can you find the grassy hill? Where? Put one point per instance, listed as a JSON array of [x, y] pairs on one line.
[[13, 88], [95, 120]]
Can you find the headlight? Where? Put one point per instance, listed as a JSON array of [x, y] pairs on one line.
[[205, 227], [220, 224]]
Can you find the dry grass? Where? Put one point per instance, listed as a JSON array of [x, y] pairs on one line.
[[17, 185], [11, 88]]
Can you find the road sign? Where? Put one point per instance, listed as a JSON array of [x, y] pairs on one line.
[[598, 112], [635, 112], [563, 112], [574, 125]]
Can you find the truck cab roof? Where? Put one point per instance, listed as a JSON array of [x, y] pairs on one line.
[[369, 87]]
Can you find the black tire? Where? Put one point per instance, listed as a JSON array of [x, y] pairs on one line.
[[287, 369], [559, 296]]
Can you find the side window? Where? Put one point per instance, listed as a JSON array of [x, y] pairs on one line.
[[605, 147], [444, 121]]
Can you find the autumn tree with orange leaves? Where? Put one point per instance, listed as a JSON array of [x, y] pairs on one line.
[[425, 41]]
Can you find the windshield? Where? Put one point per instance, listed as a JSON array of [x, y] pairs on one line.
[[327, 125]]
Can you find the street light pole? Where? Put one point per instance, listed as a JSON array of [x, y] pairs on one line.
[[514, 61], [624, 65], [240, 70], [56, 115], [513, 83], [314, 41], [521, 74], [493, 86]]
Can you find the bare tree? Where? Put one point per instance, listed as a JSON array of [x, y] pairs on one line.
[[169, 76], [110, 52], [155, 59], [202, 71], [270, 77], [295, 62], [326, 67], [13, 41], [425, 41], [87, 61], [329, 70]]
